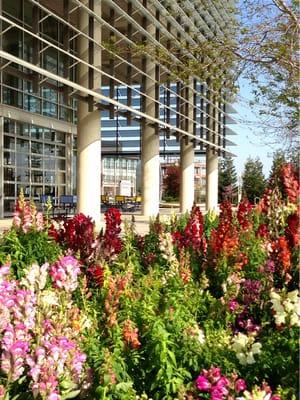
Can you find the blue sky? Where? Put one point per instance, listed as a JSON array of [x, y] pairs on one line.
[[249, 139]]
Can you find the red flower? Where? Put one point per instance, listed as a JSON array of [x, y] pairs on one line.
[[244, 214], [97, 273], [290, 182]]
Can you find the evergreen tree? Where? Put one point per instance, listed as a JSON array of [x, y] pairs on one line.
[[253, 179], [279, 160], [227, 180]]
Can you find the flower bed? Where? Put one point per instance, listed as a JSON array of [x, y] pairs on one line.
[[199, 308]]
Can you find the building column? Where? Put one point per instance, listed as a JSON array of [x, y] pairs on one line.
[[212, 173], [88, 130], [150, 145], [187, 158]]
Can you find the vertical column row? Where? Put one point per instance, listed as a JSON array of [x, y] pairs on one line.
[[212, 156], [150, 140], [88, 130], [187, 156]]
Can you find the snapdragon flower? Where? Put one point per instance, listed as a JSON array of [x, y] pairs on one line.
[[245, 348], [286, 307], [64, 273]]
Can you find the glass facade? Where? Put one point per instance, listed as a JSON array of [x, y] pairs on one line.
[[115, 170], [34, 159], [18, 88]]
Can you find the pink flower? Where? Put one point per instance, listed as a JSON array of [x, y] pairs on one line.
[[214, 374], [2, 392], [240, 385], [233, 305], [64, 273], [203, 384]]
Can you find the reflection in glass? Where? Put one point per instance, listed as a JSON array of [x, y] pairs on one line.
[[9, 142], [61, 164], [49, 135], [49, 163], [36, 176], [22, 145], [9, 206], [12, 97], [22, 160], [36, 162], [9, 189], [36, 147], [22, 175], [9, 174], [49, 149], [9, 158]]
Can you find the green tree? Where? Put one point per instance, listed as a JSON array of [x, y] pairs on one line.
[[268, 48], [227, 179], [279, 160], [253, 179]]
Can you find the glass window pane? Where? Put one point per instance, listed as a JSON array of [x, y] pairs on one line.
[[36, 176], [61, 164], [22, 160], [49, 177], [49, 149], [22, 175], [37, 191], [49, 163], [9, 174], [13, 8], [9, 206], [22, 145], [49, 135], [32, 103], [9, 126], [36, 162], [9, 142], [49, 109], [36, 147], [12, 97], [60, 137], [8, 158], [9, 189], [36, 132], [60, 151]]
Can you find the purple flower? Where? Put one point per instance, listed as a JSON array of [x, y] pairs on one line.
[[240, 385], [233, 305], [202, 383]]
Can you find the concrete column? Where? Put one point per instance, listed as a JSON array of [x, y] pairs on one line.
[[187, 185], [88, 130], [212, 174], [211, 180], [150, 148]]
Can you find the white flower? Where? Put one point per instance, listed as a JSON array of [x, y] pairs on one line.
[[245, 348], [49, 298], [286, 307]]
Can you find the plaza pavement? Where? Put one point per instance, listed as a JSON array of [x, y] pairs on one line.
[[141, 222]]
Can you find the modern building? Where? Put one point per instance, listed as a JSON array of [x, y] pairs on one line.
[[57, 58]]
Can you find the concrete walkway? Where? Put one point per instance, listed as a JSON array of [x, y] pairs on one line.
[[141, 222]]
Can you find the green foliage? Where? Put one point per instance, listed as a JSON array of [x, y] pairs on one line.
[[253, 179], [26, 249], [227, 180]]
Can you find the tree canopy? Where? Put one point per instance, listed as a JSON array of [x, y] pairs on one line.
[[227, 179], [253, 179]]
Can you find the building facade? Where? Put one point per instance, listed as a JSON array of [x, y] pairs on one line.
[[63, 66]]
